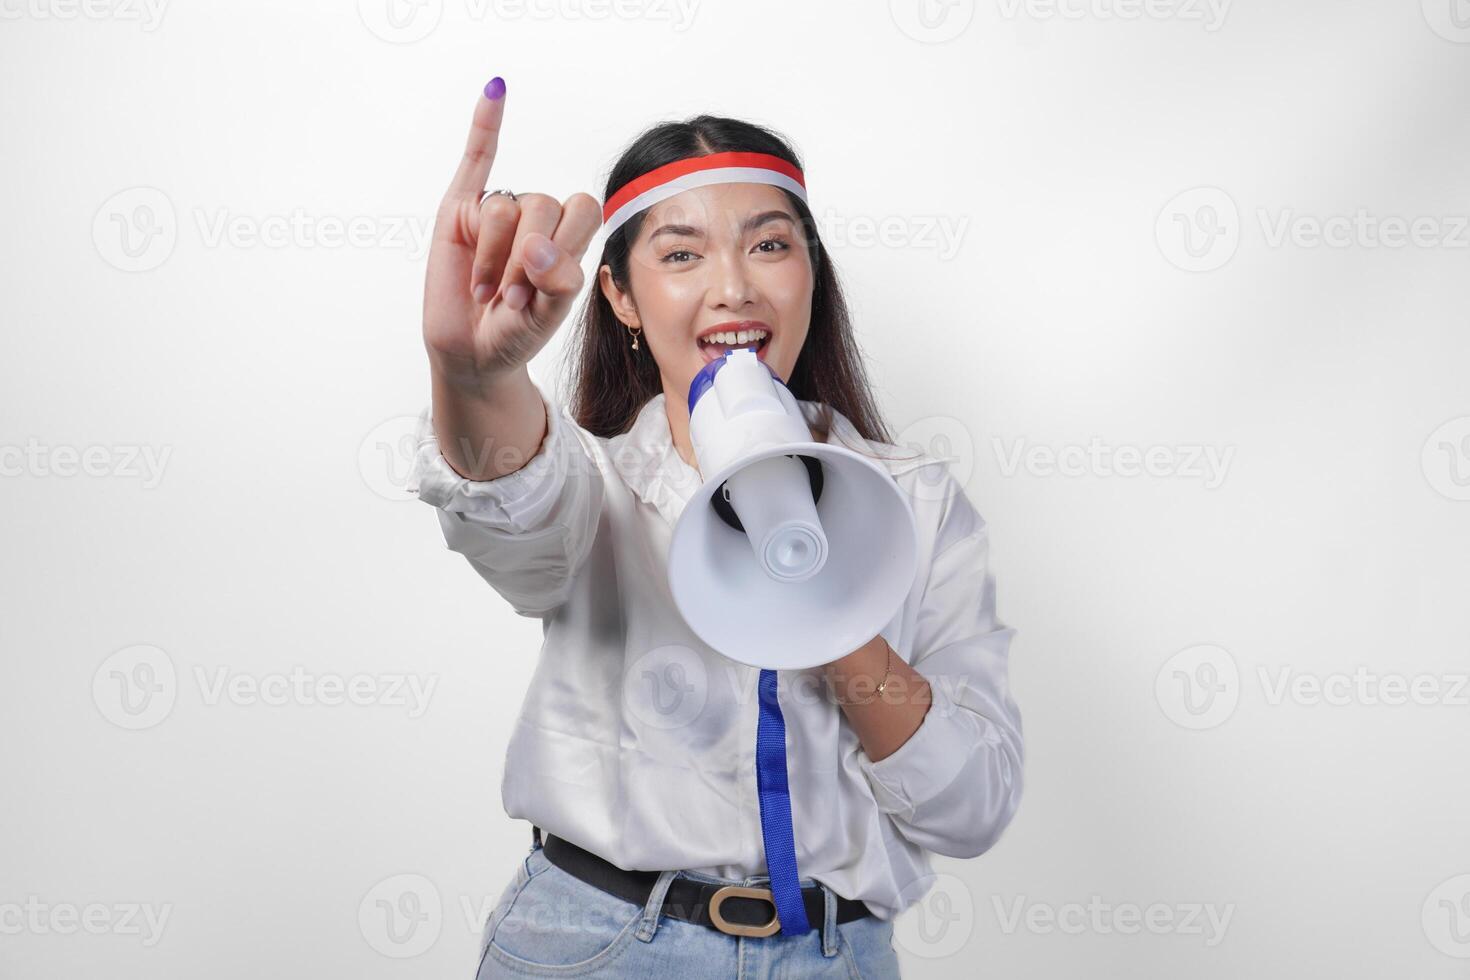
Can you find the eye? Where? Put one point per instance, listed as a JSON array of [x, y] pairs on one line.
[[669, 257], [783, 244]]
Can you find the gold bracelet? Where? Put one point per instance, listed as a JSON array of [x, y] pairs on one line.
[[878, 692]]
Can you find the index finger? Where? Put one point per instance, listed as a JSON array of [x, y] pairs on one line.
[[479, 150]]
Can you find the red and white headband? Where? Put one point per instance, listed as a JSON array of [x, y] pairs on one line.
[[713, 168]]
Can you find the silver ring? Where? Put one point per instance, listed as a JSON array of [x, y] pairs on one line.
[[508, 193]]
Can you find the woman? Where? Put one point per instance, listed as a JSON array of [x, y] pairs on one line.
[[635, 748]]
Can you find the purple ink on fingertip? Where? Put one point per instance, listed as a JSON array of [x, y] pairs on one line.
[[495, 88]]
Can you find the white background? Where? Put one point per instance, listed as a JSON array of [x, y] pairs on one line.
[[1129, 193]]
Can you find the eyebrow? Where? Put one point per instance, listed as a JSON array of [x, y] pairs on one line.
[[690, 231]]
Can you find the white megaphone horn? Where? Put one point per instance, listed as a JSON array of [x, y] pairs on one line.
[[792, 553]]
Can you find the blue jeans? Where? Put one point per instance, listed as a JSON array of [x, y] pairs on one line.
[[549, 923]]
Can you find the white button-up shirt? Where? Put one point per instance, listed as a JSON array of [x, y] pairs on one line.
[[636, 740]]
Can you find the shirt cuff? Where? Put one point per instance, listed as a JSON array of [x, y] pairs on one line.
[[931, 759], [515, 502]]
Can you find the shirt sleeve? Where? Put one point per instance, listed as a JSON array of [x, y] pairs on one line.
[[953, 787], [527, 533]]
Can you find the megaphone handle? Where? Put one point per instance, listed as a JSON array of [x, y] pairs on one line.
[[721, 501], [774, 791]]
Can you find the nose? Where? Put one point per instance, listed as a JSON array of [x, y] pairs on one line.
[[730, 285]]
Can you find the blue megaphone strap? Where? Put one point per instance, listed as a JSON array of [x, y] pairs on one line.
[[774, 791]]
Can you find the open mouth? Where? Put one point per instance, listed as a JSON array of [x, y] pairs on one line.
[[720, 343]]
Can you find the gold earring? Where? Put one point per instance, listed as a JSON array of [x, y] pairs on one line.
[[634, 332]]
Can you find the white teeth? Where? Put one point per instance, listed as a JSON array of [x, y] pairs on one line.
[[733, 337]]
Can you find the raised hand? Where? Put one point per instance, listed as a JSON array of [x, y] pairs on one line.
[[502, 275]]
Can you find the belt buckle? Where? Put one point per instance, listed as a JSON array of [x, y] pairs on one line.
[[738, 928]]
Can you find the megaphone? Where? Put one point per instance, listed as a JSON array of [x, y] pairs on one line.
[[792, 553]]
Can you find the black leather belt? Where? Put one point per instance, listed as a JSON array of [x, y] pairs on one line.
[[734, 909]]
